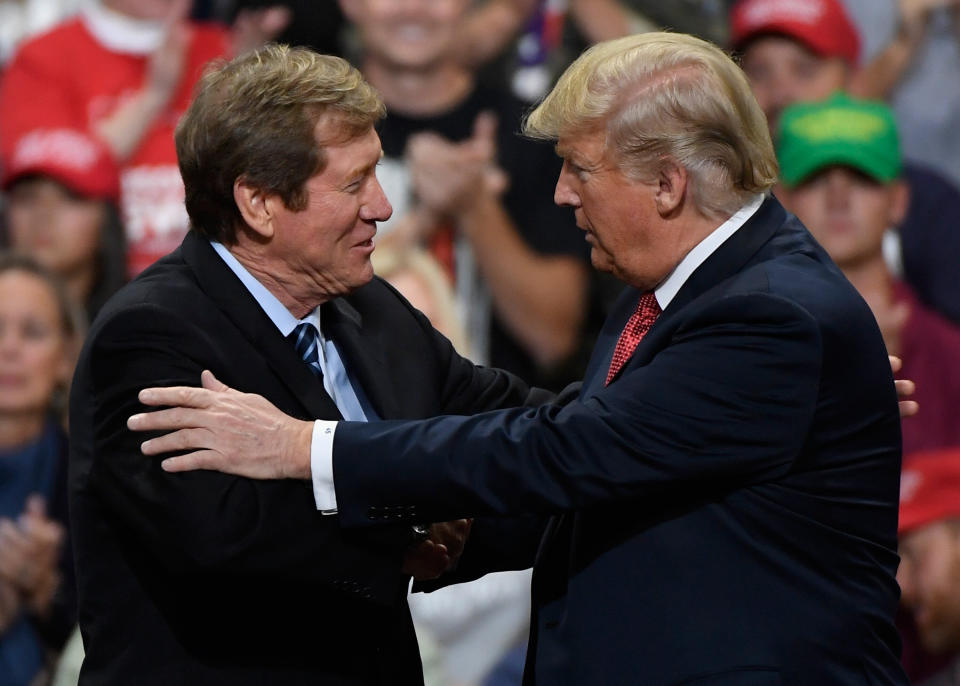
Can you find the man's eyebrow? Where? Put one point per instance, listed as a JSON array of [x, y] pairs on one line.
[[364, 170]]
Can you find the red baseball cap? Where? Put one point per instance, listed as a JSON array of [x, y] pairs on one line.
[[71, 157], [930, 488], [821, 25]]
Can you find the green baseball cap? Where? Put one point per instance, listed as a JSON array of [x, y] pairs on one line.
[[838, 131]]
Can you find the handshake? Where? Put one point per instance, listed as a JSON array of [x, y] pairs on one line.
[[440, 552]]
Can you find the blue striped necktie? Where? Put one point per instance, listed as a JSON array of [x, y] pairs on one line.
[[307, 343]]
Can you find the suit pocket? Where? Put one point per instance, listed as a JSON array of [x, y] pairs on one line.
[[758, 675]]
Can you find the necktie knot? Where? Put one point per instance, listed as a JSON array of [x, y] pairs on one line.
[[643, 317], [307, 343]]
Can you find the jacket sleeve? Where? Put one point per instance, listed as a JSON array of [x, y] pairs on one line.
[[205, 522], [727, 402]]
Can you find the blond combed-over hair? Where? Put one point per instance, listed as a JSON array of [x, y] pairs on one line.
[[255, 117], [662, 98]]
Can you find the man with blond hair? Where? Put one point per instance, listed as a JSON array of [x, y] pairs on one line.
[[723, 487], [211, 579]]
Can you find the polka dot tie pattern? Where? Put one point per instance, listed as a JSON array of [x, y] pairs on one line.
[[648, 309]]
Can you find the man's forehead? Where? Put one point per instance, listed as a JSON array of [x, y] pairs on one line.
[[754, 48], [585, 144]]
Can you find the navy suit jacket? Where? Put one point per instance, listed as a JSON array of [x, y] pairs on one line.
[[205, 578], [724, 512]]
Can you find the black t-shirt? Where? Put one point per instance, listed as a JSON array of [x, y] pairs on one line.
[[532, 167]]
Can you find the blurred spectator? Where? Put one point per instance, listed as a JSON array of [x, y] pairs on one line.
[[929, 573], [840, 160], [20, 19], [540, 53], [123, 71], [543, 36], [911, 59], [463, 182], [462, 629], [476, 624], [804, 50], [62, 187], [420, 278], [314, 24], [38, 332]]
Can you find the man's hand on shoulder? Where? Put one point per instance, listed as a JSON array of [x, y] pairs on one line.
[[228, 431]]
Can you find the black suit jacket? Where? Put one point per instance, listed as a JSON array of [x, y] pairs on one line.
[[204, 578], [724, 512]]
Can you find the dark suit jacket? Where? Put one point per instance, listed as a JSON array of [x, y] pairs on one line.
[[203, 578], [724, 511]]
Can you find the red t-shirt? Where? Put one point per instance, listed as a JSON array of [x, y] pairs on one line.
[[66, 79]]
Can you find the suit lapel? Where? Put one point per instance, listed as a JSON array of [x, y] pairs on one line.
[[219, 282], [362, 354]]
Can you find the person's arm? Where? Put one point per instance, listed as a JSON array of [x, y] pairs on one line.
[[489, 27], [9, 605], [601, 20], [210, 523], [878, 78], [541, 298], [728, 403], [683, 418]]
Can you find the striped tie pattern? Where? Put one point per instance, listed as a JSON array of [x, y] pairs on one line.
[[307, 343]]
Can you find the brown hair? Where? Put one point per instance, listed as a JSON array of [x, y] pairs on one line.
[[254, 117]]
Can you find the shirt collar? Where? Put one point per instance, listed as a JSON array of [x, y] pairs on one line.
[[278, 313], [669, 287], [120, 33]]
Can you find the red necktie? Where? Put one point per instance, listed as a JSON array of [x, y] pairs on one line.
[[648, 309]]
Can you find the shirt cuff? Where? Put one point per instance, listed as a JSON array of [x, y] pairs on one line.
[[321, 466]]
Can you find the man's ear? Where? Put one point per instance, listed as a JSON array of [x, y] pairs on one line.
[[672, 189], [255, 207]]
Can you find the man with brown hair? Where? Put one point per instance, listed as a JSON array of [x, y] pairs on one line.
[[210, 579]]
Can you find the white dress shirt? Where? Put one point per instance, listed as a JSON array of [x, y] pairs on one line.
[[321, 449]]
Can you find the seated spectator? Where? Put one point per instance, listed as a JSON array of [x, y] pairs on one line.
[[123, 71], [62, 188], [929, 573], [840, 169], [37, 349], [803, 51], [462, 182]]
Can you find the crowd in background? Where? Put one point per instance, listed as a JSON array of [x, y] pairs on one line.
[[861, 97]]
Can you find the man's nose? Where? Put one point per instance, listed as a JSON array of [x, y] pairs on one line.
[[377, 207], [564, 194]]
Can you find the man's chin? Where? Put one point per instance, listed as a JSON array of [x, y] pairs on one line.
[[601, 261]]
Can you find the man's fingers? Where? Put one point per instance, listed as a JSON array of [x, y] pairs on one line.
[[184, 439], [905, 388], [908, 408], [201, 459], [212, 383], [184, 396], [164, 420], [36, 505], [895, 363]]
